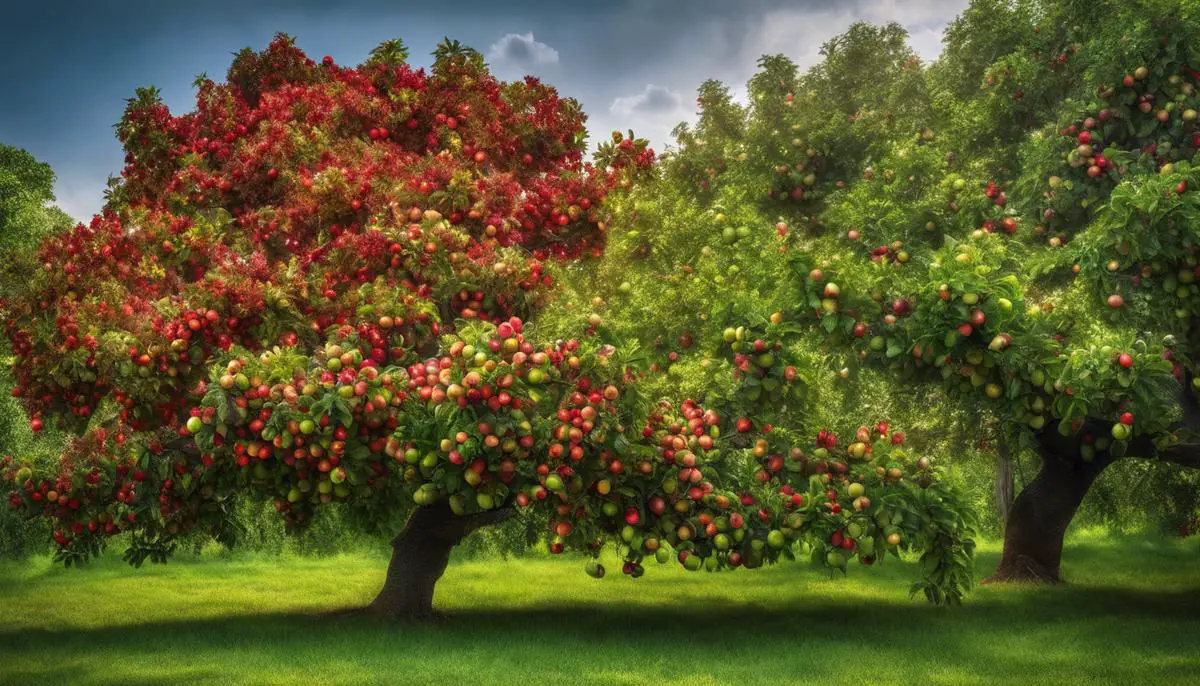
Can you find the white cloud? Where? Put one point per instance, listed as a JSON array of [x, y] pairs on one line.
[[731, 56], [521, 50], [651, 113], [799, 32], [652, 100]]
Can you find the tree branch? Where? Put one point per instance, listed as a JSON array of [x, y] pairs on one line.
[[438, 521], [1182, 454], [488, 518], [183, 444]]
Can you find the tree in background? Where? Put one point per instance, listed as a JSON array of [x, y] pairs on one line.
[[1004, 241], [26, 189], [26, 216], [317, 288]]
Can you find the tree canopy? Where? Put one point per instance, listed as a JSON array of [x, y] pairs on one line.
[[1009, 233], [323, 285]]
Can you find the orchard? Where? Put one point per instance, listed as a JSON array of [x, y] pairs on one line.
[[323, 286], [412, 296]]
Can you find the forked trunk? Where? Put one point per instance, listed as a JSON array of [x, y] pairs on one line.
[[419, 558]]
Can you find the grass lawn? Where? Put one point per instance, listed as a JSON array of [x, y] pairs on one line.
[[1131, 615]]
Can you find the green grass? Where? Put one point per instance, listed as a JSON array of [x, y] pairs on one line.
[[1129, 616]]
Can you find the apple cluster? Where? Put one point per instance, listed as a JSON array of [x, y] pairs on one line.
[[494, 421]]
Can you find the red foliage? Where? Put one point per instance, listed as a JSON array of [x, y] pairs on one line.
[[300, 195]]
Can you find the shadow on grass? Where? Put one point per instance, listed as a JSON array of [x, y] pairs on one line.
[[1063, 632], [582, 620], [1126, 622]]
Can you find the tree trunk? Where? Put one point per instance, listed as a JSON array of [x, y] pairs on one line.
[[1003, 491], [1038, 520], [419, 558]]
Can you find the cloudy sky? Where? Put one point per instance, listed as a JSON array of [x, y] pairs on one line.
[[68, 67]]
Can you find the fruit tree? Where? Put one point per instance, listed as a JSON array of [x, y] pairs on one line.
[[1011, 233], [318, 288]]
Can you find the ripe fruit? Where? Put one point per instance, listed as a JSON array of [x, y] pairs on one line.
[[1115, 301], [1125, 360], [387, 269], [775, 538]]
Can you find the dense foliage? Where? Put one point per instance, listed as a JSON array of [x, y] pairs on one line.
[[26, 189], [315, 288], [1010, 234], [26, 216]]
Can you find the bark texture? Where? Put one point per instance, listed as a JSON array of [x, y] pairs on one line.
[[1042, 512], [419, 558]]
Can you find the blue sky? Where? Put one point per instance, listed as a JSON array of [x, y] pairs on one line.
[[67, 67]]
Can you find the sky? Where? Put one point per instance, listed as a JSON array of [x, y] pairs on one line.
[[66, 68]]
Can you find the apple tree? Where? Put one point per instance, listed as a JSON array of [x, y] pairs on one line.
[[321, 288], [1009, 233]]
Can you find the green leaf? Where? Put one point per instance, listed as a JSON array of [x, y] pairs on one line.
[[621, 445]]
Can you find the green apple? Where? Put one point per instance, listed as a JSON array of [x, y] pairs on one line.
[[775, 538]]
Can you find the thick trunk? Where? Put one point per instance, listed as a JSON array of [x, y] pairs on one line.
[[419, 558], [1039, 517], [1038, 520]]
